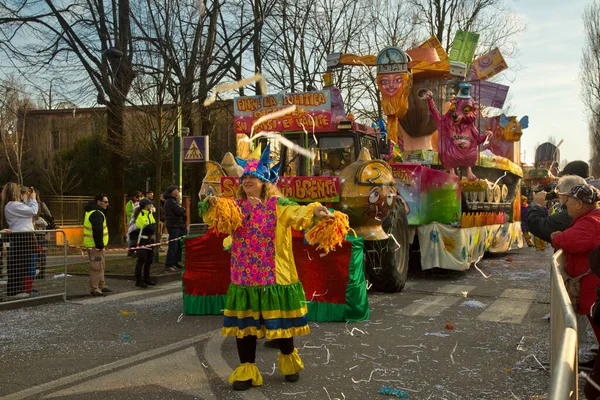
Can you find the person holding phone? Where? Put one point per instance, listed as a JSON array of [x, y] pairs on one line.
[[19, 207]]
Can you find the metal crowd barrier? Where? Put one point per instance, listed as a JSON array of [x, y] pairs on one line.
[[563, 337], [33, 265]]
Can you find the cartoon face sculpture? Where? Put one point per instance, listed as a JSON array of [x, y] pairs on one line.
[[513, 129], [368, 192]]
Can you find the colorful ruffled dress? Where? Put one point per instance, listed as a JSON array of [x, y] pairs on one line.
[[265, 297]]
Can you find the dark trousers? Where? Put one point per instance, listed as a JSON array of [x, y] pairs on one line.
[[144, 261], [174, 251], [246, 348], [18, 261]]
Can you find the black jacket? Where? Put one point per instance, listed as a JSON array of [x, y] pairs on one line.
[[542, 225], [174, 213], [97, 222]]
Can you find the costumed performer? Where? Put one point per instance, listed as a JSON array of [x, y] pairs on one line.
[[265, 297]]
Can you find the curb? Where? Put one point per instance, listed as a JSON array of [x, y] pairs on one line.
[[164, 278]]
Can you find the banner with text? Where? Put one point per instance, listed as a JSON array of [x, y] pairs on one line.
[[313, 110], [295, 188]]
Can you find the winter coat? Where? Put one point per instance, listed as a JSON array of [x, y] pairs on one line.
[[578, 241], [541, 225], [97, 221], [18, 215], [175, 216]]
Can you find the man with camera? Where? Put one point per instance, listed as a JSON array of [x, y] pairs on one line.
[[541, 224]]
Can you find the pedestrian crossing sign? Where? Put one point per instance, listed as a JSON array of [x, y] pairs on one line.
[[195, 148]]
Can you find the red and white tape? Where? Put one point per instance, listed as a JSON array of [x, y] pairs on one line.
[[130, 248]]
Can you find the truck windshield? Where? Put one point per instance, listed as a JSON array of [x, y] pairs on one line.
[[333, 154]]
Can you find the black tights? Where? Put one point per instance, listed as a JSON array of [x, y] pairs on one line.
[[246, 348]]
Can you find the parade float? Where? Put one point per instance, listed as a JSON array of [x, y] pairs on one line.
[[454, 197]]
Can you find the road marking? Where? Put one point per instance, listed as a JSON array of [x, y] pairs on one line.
[[212, 353], [509, 310], [518, 294], [124, 295], [455, 289], [430, 306], [67, 380], [158, 299], [181, 371]]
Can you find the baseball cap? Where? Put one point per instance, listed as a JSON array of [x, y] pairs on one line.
[[586, 193]]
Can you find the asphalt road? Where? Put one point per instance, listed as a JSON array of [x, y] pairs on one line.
[[137, 344]]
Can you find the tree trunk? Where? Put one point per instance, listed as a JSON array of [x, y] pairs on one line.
[[116, 181]]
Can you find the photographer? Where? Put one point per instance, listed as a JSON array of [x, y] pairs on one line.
[[539, 222], [19, 207]]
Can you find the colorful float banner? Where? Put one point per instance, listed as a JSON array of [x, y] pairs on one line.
[[489, 64], [296, 188], [429, 195], [489, 93], [313, 110], [463, 47], [443, 246]]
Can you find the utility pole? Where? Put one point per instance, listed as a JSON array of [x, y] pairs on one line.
[[177, 166]]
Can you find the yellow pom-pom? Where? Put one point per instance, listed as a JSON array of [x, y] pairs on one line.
[[329, 232], [224, 215]]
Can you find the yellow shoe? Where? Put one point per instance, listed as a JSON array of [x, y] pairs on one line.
[[290, 364]]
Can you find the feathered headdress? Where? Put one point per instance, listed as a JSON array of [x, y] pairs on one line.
[[260, 167]]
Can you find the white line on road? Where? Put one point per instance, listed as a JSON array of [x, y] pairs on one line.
[[455, 289], [157, 300], [48, 386], [518, 294], [508, 308], [124, 295], [430, 306]]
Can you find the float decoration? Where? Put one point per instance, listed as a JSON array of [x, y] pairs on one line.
[[458, 137], [394, 80]]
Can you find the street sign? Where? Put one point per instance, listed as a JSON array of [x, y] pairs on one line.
[[195, 148]]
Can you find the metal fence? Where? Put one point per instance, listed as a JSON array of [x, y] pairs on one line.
[[563, 337], [33, 265], [67, 210]]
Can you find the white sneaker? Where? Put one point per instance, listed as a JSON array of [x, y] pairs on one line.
[[20, 296]]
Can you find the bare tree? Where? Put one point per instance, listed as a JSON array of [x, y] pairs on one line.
[[60, 177], [90, 40], [14, 106], [590, 80]]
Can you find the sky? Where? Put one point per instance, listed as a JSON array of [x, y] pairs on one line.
[[546, 87]]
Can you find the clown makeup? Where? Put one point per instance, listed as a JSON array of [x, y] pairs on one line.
[[252, 186]]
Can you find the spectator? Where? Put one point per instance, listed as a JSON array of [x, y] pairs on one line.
[[579, 240], [578, 167], [135, 198], [524, 208], [19, 206], [143, 234], [129, 207], [175, 218], [43, 221], [95, 239], [590, 391], [539, 223]]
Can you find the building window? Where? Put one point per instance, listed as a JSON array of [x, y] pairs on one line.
[[54, 140]]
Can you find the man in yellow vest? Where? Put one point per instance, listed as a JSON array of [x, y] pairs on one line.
[[95, 239]]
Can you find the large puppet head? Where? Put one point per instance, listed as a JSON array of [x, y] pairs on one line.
[[463, 109], [260, 167], [513, 129]]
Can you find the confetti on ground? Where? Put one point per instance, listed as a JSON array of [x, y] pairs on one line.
[[392, 392]]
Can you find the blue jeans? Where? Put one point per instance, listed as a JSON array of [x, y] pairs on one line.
[[174, 251]]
